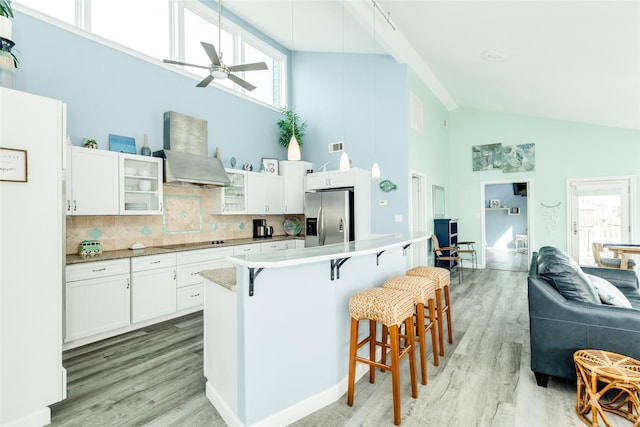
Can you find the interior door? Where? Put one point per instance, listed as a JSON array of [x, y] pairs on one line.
[[599, 212]]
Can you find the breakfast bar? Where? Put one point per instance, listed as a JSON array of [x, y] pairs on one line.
[[276, 327]]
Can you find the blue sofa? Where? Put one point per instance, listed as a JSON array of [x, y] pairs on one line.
[[563, 317]]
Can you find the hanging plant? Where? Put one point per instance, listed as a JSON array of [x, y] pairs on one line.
[[5, 8], [287, 126]]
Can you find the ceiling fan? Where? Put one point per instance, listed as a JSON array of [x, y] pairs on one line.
[[217, 68]]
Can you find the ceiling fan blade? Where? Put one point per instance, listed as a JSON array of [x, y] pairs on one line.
[[248, 86], [211, 53], [249, 67], [170, 61], [205, 81]]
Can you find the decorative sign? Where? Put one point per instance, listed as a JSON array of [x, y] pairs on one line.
[[270, 165], [13, 165]]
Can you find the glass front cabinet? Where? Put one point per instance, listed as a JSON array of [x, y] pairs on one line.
[[140, 185], [231, 200]]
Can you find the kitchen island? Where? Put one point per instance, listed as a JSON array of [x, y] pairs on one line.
[[276, 332]]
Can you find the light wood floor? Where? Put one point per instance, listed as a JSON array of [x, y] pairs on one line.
[[153, 377], [512, 260]]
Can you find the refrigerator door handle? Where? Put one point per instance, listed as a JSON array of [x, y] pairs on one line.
[[321, 227]]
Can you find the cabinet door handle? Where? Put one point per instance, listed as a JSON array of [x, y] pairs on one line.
[[195, 295], [99, 269], [174, 275], [155, 262], [128, 284], [160, 206], [75, 205], [68, 205]]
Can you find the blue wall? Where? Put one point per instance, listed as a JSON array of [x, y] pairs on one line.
[[361, 100], [500, 227], [108, 91]]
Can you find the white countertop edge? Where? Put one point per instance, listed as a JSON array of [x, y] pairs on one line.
[[254, 261]]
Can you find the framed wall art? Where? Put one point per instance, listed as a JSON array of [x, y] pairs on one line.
[[270, 165]]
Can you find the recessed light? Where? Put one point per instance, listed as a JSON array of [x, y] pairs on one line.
[[492, 55]]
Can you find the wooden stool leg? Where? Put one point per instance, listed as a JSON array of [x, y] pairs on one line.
[[419, 324], [395, 372], [385, 337], [447, 303], [440, 320], [353, 350], [372, 350], [412, 357], [434, 332]]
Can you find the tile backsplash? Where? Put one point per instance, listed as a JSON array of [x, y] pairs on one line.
[[186, 219]]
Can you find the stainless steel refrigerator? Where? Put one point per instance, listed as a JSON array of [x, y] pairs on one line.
[[329, 217]]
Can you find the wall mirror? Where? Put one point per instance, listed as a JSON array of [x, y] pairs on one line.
[[438, 201]]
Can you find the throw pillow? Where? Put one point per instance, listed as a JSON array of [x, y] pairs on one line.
[[563, 273], [609, 293]]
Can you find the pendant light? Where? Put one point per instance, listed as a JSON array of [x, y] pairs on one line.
[[345, 164], [375, 169], [293, 150]]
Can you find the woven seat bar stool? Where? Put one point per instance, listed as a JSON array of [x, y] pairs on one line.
[[424, 292], [441, 277], [391, 308], [619, 379]]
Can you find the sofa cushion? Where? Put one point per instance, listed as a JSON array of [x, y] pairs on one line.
[[562, 272], [608, 292]]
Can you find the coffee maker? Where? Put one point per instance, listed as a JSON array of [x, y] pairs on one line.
[[261, 229]]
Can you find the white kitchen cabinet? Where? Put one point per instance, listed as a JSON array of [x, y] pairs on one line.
[[252, 248], [140, 184], [279, 245], [94, 182], [293, 174], [332, 179], [190, 285], [264, 193], [231, 200], [153, 286], [97, 298]]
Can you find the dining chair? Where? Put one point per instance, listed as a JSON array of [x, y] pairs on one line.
[[597, 250], [447, 256]]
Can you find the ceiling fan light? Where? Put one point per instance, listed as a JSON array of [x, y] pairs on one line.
[[344, 162], [293, 151], [219, 72], [375, 170]]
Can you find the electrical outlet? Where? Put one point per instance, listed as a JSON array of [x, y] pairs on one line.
[[383, 202], [398, 217]]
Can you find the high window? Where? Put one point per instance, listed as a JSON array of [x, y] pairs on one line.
[[174, 30]]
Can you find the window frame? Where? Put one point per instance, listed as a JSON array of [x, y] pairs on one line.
[[240, 36]]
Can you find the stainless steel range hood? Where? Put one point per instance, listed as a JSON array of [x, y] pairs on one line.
[[185, 152]]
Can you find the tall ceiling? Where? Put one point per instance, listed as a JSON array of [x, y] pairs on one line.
[[562, 59]]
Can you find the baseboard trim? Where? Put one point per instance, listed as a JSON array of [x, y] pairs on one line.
[[36, 419]]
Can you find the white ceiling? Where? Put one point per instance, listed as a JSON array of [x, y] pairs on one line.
[[565, 59]]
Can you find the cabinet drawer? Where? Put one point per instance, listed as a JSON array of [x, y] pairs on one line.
[[190, 296], [202, 255], [247, 249], [188, 274], [93, 270], [273, 246], [316, 181], [152, 262]]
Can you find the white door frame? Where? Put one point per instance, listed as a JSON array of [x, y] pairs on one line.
[[418, 224], [530, 212], [633, 232]]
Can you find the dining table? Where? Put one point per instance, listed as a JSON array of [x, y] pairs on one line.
[[623, 250]]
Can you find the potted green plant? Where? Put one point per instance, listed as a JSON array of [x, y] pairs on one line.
[[289, 124], [6, 42]]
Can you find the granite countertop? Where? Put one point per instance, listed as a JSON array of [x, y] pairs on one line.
[[165, 249], [225, 277]]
